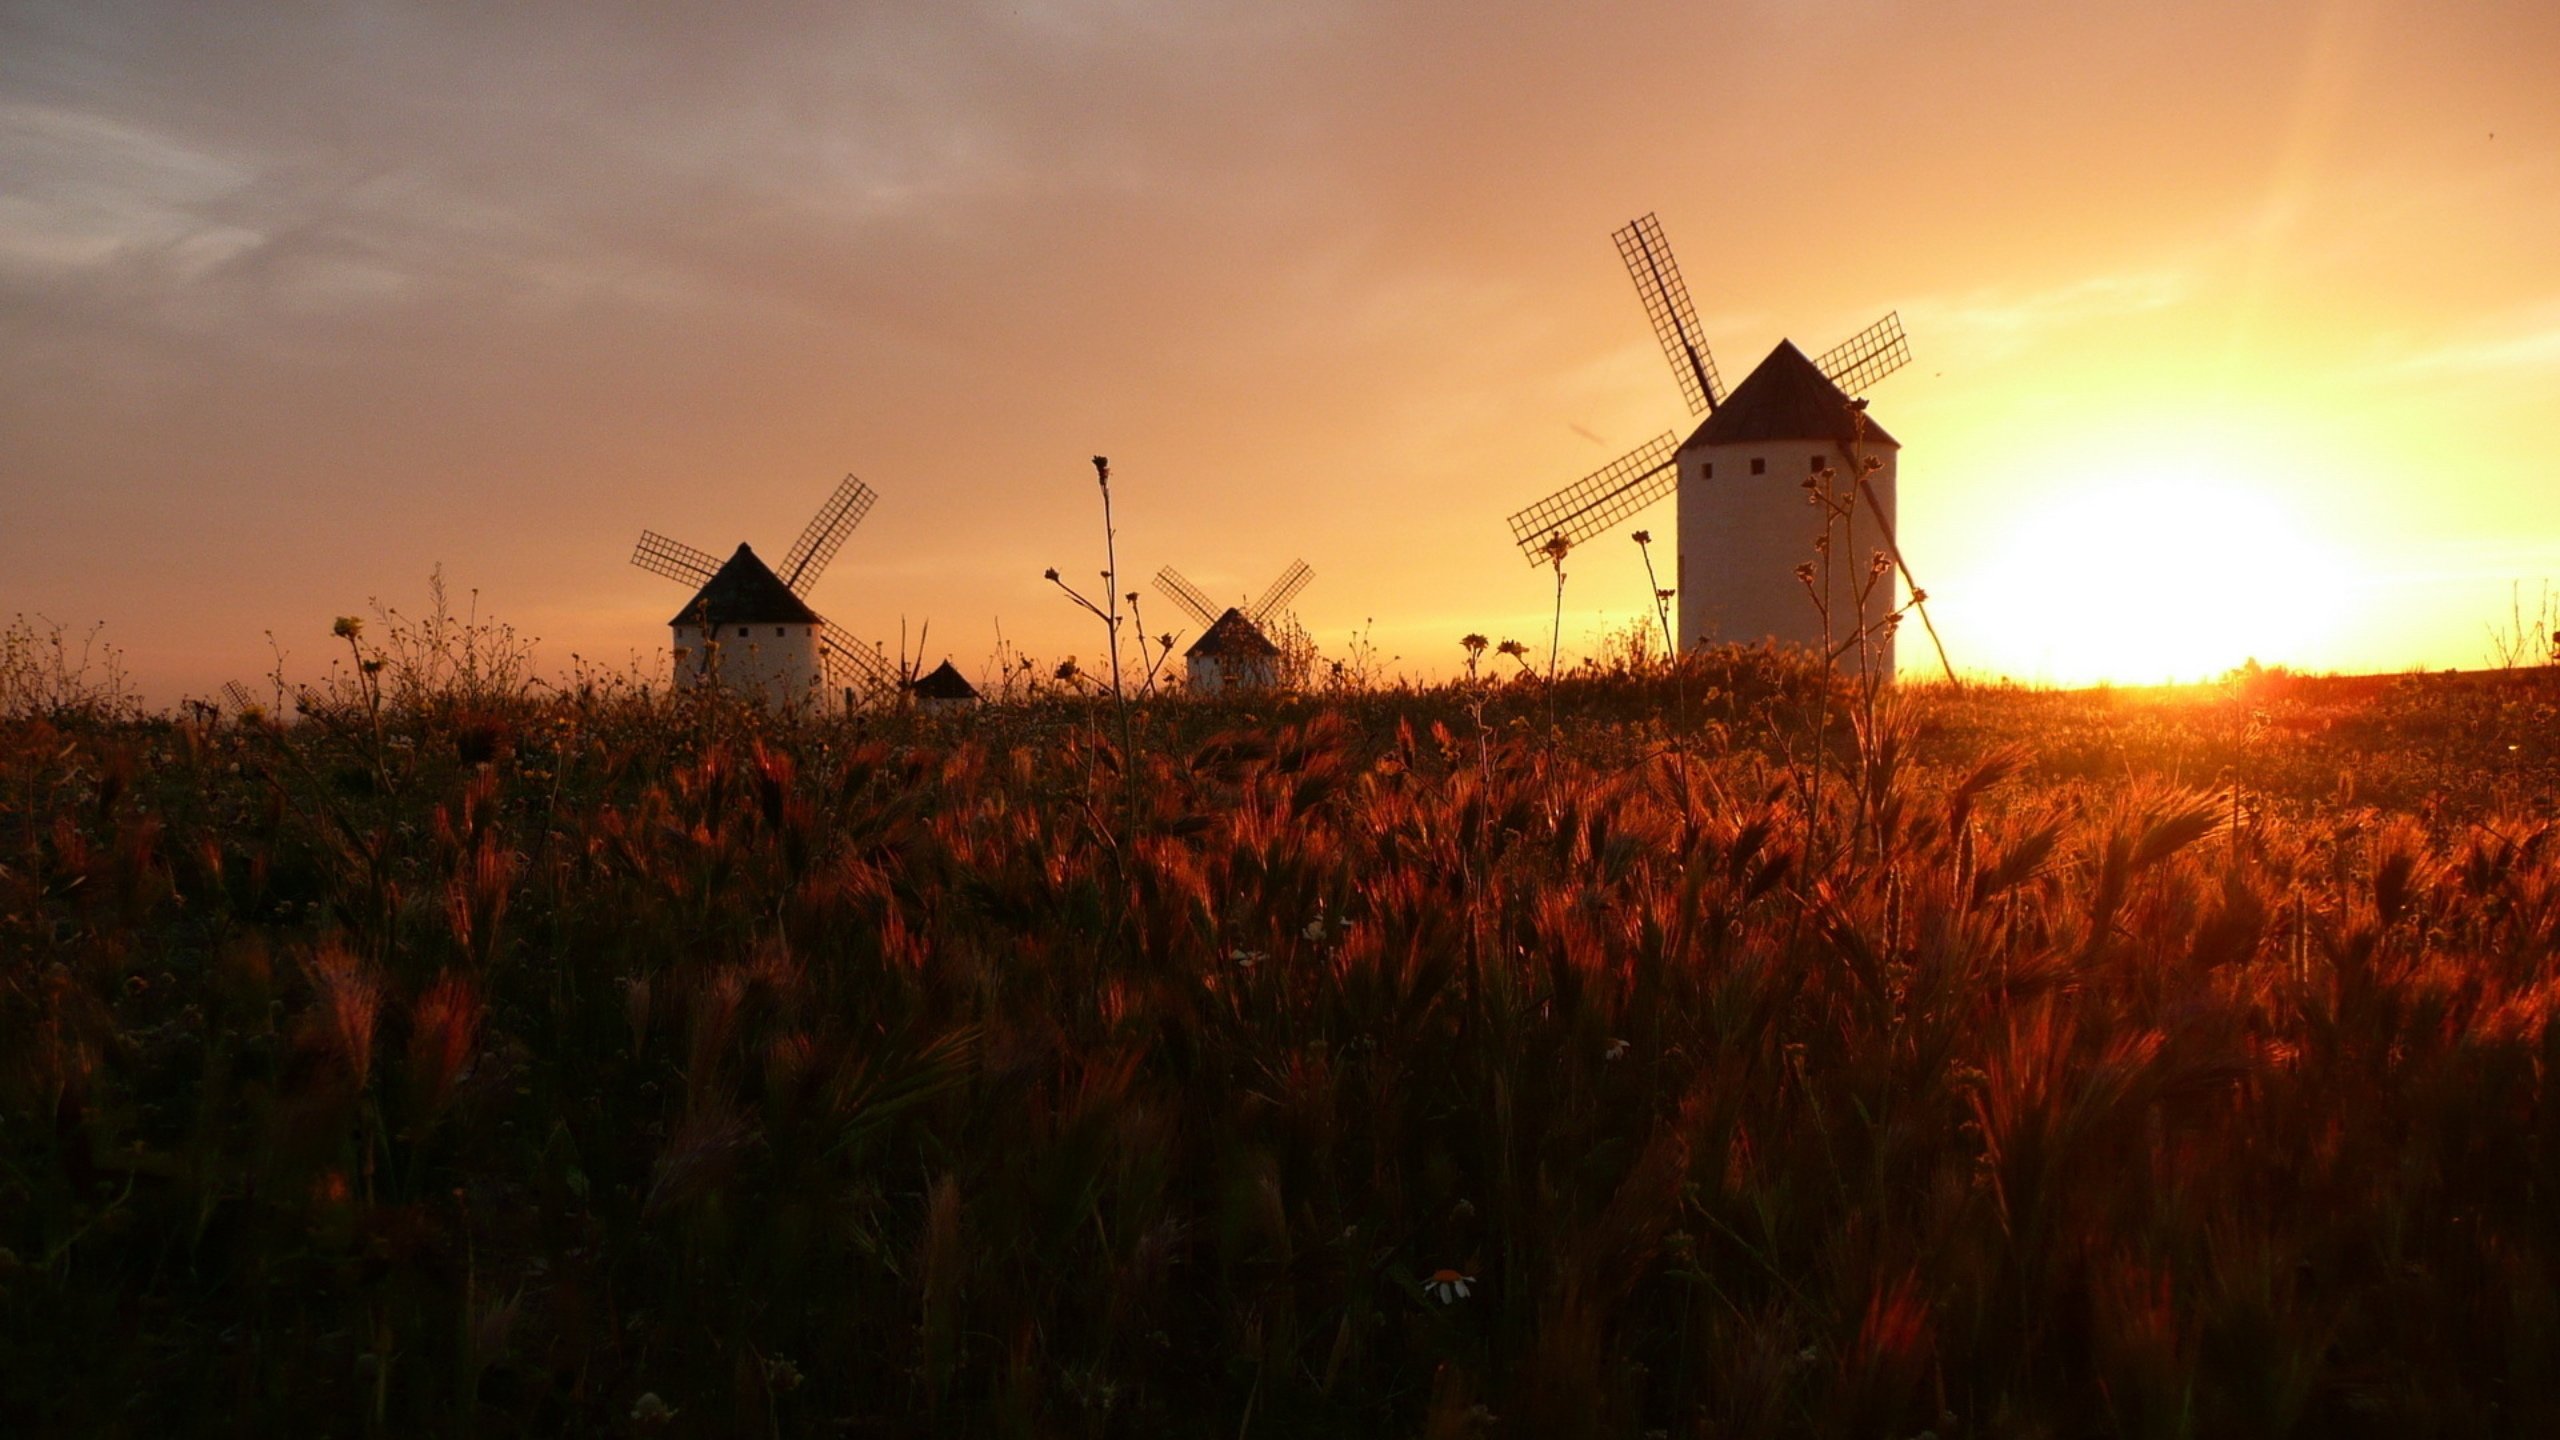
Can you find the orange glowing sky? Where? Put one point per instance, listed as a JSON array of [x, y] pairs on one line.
[[2236, 326]]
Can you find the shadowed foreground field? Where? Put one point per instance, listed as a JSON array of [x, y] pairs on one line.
[[2002, 1062]]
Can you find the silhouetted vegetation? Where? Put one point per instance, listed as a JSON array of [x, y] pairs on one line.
[[1752, 1059]]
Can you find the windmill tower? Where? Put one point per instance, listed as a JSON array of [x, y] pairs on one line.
[[1746, 517], [747, 628], [1233, 652]]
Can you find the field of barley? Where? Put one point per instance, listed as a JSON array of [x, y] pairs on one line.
[[1716, 1052]]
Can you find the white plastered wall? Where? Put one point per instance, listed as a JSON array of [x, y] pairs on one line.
[[1743, 535], [779, 663], [1210, 674]]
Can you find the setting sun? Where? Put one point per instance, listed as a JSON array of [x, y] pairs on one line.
[[2142, 573]]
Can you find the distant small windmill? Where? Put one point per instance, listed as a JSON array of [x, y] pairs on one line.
[[1745, 526], [944, 690], [1233, 652], [748, 628]]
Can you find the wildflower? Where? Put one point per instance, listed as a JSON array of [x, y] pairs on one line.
[[1448, 1286], [1101, 470], [1512, 648], [1049, 574], [347, 628], [1616, 1051], [651, 1411], [1315, 929], [1247, 959], [1644, 537], [1473, 644]]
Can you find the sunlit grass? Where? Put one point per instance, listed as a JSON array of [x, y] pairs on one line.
[[1383, 1063]]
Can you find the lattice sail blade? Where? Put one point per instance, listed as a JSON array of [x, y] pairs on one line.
[[852, 665], [1194, 601], [1599, 500], [677, 561], [824, 535], [1858, 362], [1666, 304], [238, 694], [1282, 591]]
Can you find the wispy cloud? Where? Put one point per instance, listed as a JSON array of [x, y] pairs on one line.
[[167, 166], [88, 188], [1995, 323], [2527, 339]]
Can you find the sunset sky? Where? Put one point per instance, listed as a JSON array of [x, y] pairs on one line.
[[2236, 327]]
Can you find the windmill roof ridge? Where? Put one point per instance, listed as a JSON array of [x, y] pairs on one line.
[[745, 591], [1232, 634], [1786, 397]]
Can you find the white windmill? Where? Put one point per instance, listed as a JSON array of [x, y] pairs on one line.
[[1233, 651], [1746, 519], [748, 629]]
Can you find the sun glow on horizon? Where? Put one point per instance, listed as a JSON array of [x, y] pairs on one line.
[[2141, 573]]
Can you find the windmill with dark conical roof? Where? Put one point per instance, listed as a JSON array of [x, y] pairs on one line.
[[1233, 652], [748, 628], [944, 689], [1746, 522]]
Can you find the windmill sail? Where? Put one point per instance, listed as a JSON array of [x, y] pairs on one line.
[[824, 535], [677, 561], [1599, 500], [853, 666], [1194, 601], [1666, 304], [1282, 591], [1866, 357]]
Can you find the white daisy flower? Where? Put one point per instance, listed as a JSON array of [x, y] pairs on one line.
[[1448, 1286]]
